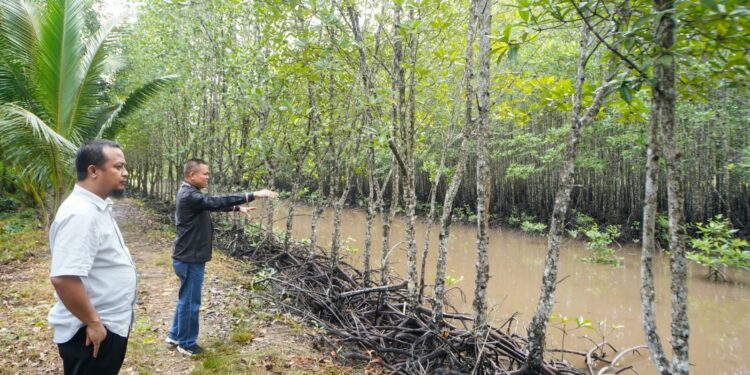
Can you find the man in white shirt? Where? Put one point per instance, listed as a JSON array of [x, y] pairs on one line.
[[92, 271]]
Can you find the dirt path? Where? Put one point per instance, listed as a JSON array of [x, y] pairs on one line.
[[241, 336]]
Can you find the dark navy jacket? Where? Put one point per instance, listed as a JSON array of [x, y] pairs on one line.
[[194, 229]]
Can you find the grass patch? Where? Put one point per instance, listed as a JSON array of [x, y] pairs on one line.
[[243, 333], [142, 345], [239, 310], [221, 358], [164, 260], [215, 363]]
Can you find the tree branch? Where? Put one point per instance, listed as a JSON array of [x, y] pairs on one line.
[[609, 47], [396, 154]]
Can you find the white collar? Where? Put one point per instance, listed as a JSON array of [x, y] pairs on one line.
[[101, 204]]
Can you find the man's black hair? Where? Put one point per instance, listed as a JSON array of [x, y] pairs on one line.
[[92, 153], [191, 165]]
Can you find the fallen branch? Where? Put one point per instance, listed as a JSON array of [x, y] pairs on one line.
[[383, 288], [619, 357]]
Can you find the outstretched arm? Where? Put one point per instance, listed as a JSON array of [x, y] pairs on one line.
[[201, 202], [214, 201]]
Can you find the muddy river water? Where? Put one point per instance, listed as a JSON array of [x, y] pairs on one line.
[[719, 312]]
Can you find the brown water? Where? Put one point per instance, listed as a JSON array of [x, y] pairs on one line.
[[719, 313]]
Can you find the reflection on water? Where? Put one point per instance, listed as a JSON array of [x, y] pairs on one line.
[[719, 319]]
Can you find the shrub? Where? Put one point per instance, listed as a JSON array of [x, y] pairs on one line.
[[526, 222], [533, 227], [661, 231], [599, 243], [716, 248], [464, 214], [583, 220], [8, 204], [514, 219]]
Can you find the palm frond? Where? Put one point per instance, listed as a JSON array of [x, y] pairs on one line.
[[102, 114], [19, 29], [93, 65], [18, 37], [12, 81], [34, 147], [114, 64], [58, 60], [23, 118], [114, 123]]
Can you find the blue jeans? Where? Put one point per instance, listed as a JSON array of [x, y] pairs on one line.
[[185, 324]]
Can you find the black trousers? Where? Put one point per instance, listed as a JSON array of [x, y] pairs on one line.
[[78, 359]]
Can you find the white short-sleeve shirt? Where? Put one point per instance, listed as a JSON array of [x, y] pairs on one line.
[[86, 242]]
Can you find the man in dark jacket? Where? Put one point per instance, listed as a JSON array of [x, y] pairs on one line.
[[192, 247]]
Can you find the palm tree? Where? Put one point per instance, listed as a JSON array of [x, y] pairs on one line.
[[54, 80]]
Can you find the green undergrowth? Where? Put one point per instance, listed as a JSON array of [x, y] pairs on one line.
[[599, 243], [143, 342], [21, 235], [222, 358], [526, 222]]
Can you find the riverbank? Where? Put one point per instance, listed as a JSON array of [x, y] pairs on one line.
[[241, 336]]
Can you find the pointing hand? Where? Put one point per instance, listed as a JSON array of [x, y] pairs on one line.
[[265, 193]]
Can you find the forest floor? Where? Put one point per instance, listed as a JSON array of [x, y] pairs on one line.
[[241, 335]]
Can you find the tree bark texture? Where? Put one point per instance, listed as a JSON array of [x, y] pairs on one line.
[[664, 74], [648, 290], [445, 219], [484, 13]]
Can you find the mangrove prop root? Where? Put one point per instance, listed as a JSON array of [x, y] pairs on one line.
[[375, 319]]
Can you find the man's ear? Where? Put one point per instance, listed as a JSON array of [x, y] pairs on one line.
[[91, 171]]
